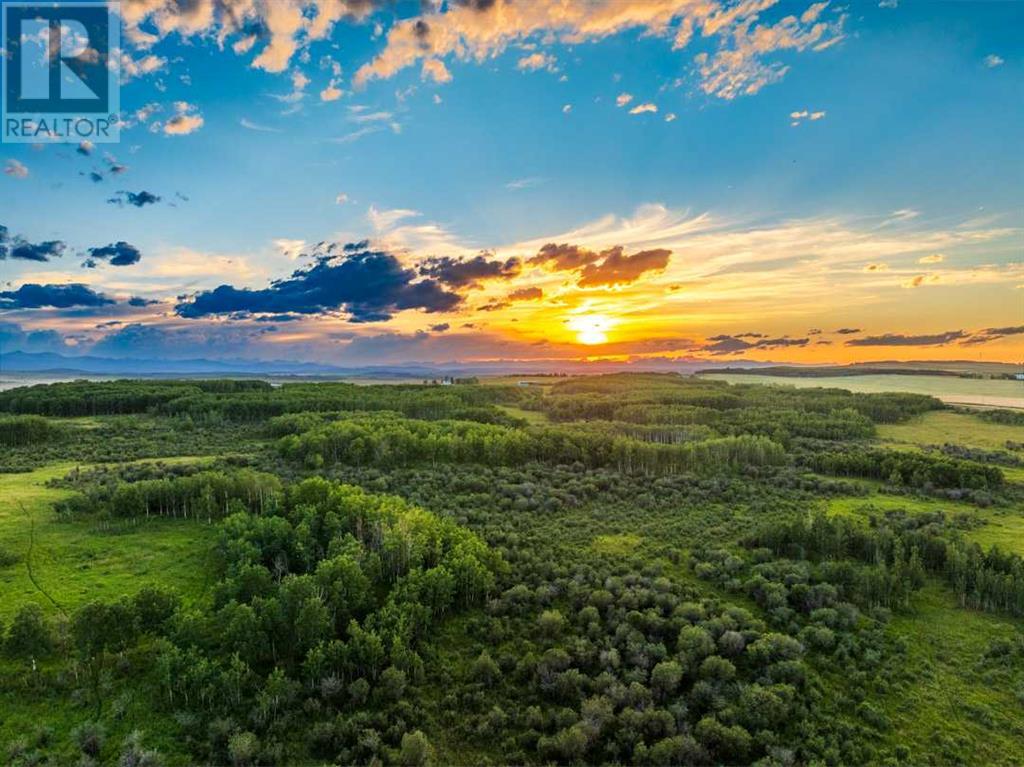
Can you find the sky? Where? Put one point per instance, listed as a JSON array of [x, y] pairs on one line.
[[354, 183]]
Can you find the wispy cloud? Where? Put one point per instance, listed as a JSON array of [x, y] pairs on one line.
[[245, 122]]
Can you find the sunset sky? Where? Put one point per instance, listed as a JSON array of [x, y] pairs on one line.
[[353, 182]]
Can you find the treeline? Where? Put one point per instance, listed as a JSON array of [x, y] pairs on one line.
[[902, 468], [646, 397], [247, 400], [201, 495], [18, 431], [394, 441], [905, 548], [89, 398]]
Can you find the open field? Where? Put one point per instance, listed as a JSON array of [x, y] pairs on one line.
[[950, 389], [940, 427], [78, 561]]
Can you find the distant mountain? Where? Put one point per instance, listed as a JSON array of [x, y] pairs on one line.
[[49, 363]]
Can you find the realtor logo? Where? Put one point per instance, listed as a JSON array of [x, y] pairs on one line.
[[59, 82]]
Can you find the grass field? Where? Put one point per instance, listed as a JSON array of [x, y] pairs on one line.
[[968, 391], [941, 426], [75, 562], [950, 709]]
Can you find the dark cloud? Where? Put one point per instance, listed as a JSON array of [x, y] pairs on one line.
[[468, 272], [526, 294], [814, 332], [898, 339], [441, 327], [725, 344], [993, 334], [620, 269], [156, 341], [85, 148], [14, 338], [564, 257], [139, 301], [95, 177], [750, 335], [847, 331], [135, 199], [34, 296], [369, 285], [119, 253], [493, 306], [279, 318], [17, 248]]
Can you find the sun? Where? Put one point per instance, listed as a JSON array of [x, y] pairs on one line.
[[591, 329]]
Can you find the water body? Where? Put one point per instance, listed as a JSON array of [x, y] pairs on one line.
[[980, 392]]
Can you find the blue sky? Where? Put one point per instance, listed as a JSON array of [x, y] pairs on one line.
[[875, 139]]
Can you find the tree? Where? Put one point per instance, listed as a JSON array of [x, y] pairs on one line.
[[243, 747], [29, 635], [665, 678], [551, 623], [416, 750]]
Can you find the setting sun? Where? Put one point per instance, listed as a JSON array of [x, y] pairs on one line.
[[591, 329]]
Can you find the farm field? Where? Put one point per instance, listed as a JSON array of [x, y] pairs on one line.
[[642, 569], [950, 389]]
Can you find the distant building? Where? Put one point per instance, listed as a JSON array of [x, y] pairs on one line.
[[1019, 376]]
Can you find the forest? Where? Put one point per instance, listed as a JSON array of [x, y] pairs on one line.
[[628, 569]]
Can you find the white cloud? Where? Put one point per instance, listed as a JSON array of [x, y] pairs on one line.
[[536, 61], [737, 67], [15, 169], [670, 117], [245, 122], [992, 61], [523, 183], [341, 199], [434, 69], [567, 109], [332, 92], [186, 120], [934, 258], [647, 108], [290, 248], [622, 99], [889, 4]]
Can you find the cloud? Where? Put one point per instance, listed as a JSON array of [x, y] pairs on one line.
[[805, 114], [640, 109], [441, 327], [15, 169], [890, 4], [119, 253], [566, 109], [139, 301], [248, 124], [622, 99], [22, 250], [525, 294], [523, 183], [15, 338], [181, 342], [618, 268], [368, 285], [921, 279], [670, 117], [341, 199], [725, 344], [186, 121], [935, 258], [136, 199], [564, 257], [434, 69], [463, 272], [480, 31], [85, 148], [332, 92], [535, 61], [35, 296], [992, 61], [847, 331], [130, 69], [898, 339], [993, 334]]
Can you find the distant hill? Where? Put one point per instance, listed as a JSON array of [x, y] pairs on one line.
[[957, 368]]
